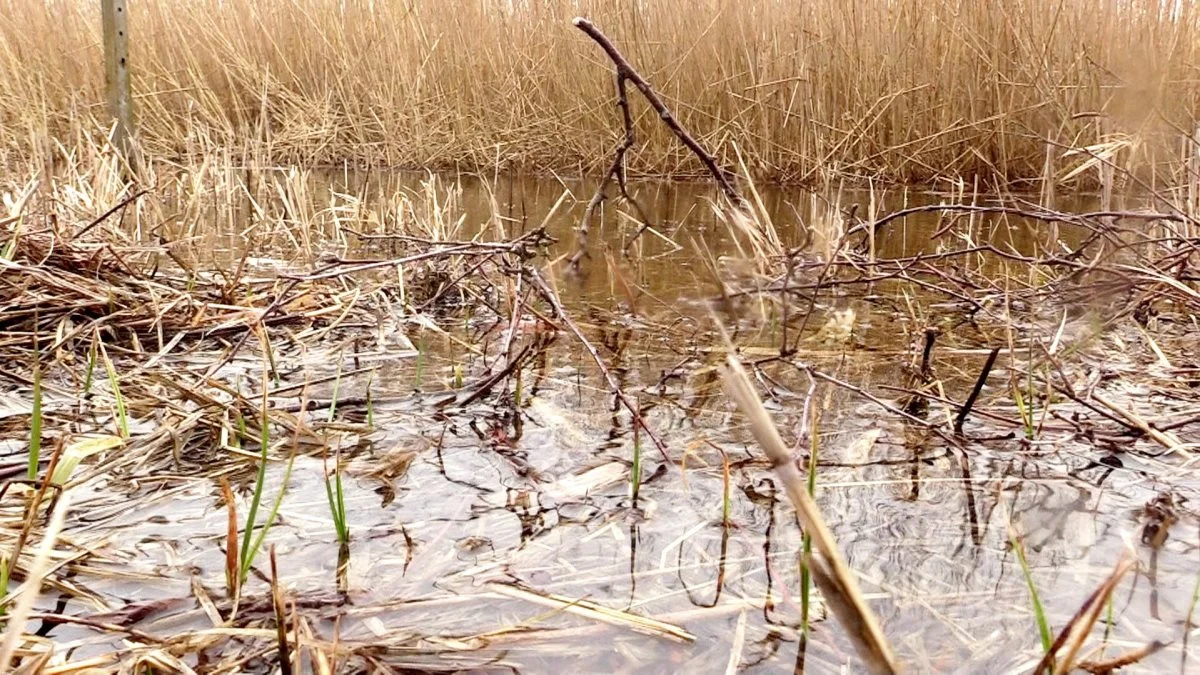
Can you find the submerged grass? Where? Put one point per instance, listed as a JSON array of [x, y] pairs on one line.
[[909, 90]]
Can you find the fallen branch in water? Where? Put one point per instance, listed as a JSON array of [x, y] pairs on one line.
[[551, 297], [1039, 214]]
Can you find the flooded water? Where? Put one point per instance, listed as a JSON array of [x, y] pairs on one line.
[[462, 517]]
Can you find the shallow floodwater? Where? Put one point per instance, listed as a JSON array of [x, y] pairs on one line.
[[459, 516]]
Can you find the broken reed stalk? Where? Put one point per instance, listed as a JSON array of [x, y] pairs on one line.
[[281, 627], [616, 169], [829, 569], [1122, 660], [31, 517], [232, 577], [917, 404], [979, 382], [15, 628], [1166, 440], [588, 609]]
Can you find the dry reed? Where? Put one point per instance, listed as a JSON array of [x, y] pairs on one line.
[[906, 90], [833, 576]]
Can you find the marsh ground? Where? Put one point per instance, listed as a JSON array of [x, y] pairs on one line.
[[485, 514]]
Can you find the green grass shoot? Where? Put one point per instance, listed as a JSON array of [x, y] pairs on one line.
[[271, 517], [635, 471], [269, 353], [3, 583], [91, 369], [337, 499], [1187, 625], [1024, 411], [1109, 617], [420, 374], [1039, 610], [1030, 397], [333, 480], [240, 438], [250, 544], [806, 581], [122, 418], [252, 515]]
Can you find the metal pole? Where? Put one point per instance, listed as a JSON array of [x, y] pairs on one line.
[[116, 73]]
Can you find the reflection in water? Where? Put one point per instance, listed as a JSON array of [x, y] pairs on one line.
[[527, 483]]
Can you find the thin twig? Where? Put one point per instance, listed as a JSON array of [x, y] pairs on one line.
[[551, 297]]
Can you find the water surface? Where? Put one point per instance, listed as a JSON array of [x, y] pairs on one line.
[[452, 508]]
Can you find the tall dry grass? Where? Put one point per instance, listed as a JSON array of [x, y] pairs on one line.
[[905, 90]]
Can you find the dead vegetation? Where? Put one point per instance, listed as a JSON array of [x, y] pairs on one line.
[[153, 364], [904, 90], [157, 371], [141, 364]]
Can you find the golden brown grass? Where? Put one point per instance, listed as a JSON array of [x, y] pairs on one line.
[[907, 90]]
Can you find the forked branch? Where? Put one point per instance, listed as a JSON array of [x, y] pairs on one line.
[[617, 168]]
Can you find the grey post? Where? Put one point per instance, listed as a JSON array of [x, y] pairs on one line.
[[116, 72]]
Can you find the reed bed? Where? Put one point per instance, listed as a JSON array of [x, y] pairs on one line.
[[903, 90]]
